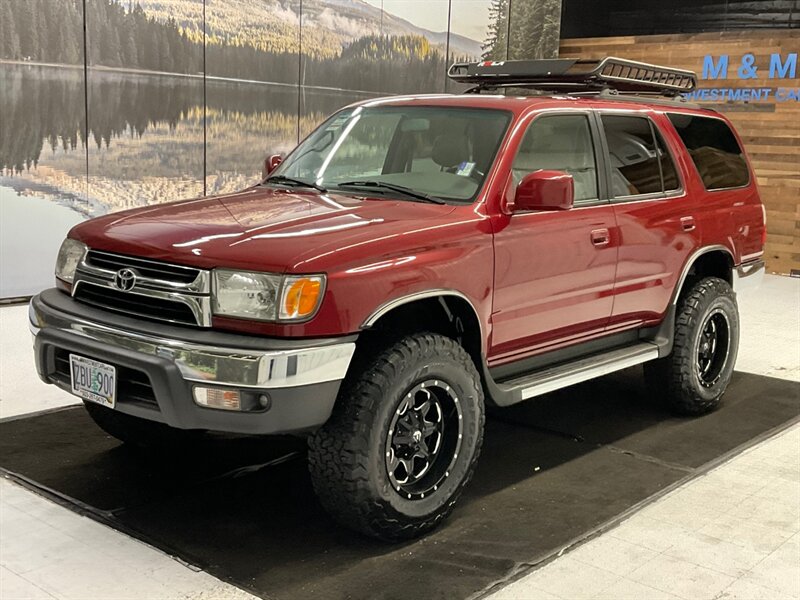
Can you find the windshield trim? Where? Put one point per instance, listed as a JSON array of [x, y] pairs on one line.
[[506, 113]]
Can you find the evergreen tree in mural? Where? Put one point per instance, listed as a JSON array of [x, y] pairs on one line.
[[534, 31], [122, 35], [30, 31], [116, 36], [400, 64], [9, 38], [495, 47], [36, 35]]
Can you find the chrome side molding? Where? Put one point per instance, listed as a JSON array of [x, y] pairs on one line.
[[392, 304], [690, 263]]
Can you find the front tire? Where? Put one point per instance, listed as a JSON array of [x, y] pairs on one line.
[[695, 376], [403, 440]]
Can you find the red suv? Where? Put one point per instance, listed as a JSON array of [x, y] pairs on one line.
[[412, 261]]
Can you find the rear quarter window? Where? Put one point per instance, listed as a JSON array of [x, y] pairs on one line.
[[714, 150]]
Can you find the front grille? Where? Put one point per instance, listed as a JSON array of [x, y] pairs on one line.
[[152, 289], [145, 268], [133, 387], [136, 305]]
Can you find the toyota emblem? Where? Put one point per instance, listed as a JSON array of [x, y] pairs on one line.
[[125, 279]]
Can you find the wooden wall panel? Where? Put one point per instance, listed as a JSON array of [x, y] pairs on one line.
[[770, 130]]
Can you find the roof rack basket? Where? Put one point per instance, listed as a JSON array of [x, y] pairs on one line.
[[575, 76]]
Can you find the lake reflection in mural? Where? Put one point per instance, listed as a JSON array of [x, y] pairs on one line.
[[146, 135]]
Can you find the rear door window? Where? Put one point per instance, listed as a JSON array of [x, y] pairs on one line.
[[714, 150], [638, 158], [561, 143]]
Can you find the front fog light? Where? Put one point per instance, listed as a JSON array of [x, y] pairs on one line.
[[69, 256], [216, 398]]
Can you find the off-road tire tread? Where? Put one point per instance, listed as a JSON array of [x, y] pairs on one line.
[[339, 452], [673, 376]]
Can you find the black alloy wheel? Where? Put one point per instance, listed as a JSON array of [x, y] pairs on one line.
[[423, 440], [713, 346]]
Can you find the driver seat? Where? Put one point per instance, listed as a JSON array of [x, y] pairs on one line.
[[449, 151]]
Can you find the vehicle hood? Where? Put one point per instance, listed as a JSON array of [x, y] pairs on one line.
[[264, 229]]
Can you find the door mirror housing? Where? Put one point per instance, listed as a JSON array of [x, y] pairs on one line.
[[544, 190], [271, 163]]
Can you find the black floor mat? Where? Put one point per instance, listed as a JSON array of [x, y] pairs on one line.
[[552, 470]]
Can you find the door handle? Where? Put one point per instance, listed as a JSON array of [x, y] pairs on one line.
[[687, 223], [600, 237]]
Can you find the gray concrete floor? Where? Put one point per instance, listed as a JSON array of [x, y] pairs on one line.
[[733, 533]]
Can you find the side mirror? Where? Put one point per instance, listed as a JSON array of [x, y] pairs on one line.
[[544, 190], [271, 163]]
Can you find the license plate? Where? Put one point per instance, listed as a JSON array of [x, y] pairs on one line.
[[93, 380]]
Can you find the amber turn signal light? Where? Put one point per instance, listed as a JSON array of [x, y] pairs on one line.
[[301, 296]]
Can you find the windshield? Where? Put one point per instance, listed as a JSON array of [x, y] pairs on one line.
[[440, 152]]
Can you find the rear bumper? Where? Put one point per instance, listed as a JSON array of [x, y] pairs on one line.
[[748, 276], [300, 379]]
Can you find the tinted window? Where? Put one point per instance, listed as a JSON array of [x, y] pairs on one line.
[[714, 150], [639, 161], [560, 143]]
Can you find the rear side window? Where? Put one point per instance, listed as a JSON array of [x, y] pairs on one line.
[[714, 150], [639, 161]]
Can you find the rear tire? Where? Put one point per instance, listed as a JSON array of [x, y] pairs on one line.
[[139, 432], [694, 377], [403, 439]]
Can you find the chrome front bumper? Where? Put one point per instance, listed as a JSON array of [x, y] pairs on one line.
[[212, 364], [299, 378]]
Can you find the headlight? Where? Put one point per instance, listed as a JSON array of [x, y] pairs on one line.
[[246, 295], [266, 297], [69, 255]]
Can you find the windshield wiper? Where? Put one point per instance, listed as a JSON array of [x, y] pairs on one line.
[[291, 181], [392, 187]]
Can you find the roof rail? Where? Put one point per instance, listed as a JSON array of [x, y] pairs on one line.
[[567, 75]]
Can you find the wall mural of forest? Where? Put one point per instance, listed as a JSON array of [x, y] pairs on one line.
[[156, 100]]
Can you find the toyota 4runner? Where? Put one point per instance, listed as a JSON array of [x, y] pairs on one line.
[[414, 260]]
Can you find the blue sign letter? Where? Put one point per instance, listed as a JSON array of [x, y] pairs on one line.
[[715, 71], [783, 70]]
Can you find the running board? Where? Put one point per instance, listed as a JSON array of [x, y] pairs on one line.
[[583, 369]]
